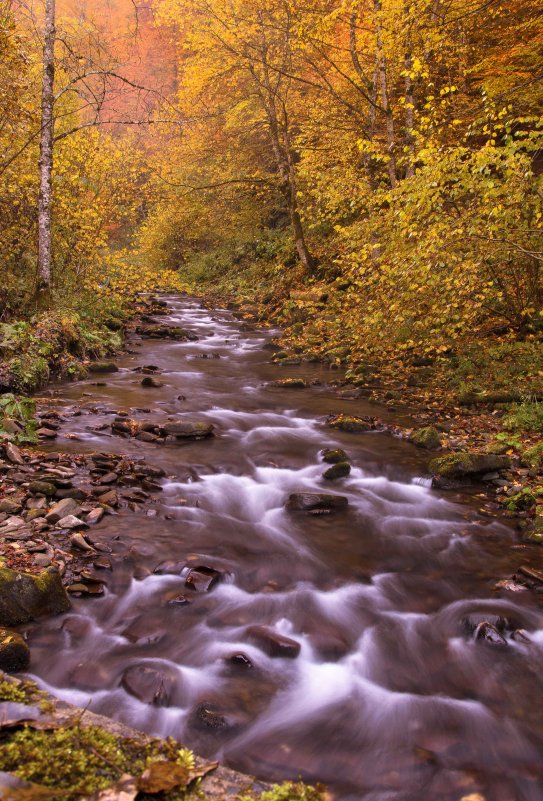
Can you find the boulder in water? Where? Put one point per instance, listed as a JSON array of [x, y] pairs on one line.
[[148, 684], [337, 471], [428, 438], [353, 425], [316, 503], [150, 382], [461, 464], [334, 455], [14, 652], [103, 367], [185, 429], [273, 644], [24, 597], [63, 508]]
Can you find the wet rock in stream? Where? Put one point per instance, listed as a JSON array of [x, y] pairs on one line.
[[316, 503], [157, 331], [149, 685], [25, 597], [14, 652], [273, 644]]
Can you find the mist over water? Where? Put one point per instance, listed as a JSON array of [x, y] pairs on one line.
[[388, 699]]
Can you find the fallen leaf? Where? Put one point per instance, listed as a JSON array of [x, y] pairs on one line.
[[163, 776], [12, 788], [125, 789]]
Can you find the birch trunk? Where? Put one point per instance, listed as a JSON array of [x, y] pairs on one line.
[[46, 150], [383, 85]]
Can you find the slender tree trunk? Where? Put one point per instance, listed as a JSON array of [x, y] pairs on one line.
[[409, 98], [383, 85], [409, 117], [46, 150]]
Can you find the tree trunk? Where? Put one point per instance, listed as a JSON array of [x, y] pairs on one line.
[[46, 150], [383, 85]]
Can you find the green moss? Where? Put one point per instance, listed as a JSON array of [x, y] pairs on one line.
[[337, 471], [456, 465], [14, 692], [428, 438], [76, 760], [525, 417], [533, 457], [288, 791]]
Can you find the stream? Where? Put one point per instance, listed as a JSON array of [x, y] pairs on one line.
[[331, 648]]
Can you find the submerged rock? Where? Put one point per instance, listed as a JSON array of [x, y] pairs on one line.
[[428, 438], [157, 331], [14, 652], [315, 503], [461, 464], [273, 644], [24, 597], [148, 685]]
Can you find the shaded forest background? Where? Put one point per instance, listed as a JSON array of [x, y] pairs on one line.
[[367, 173]]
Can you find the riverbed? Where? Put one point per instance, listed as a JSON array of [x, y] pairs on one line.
[[385, 694]]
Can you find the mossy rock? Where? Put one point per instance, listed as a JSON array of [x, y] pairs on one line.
[[352, 425], [337, 471], [497, 448], [290, 383], [428, 438], [14, 652], [458, 465], [24, 597], [334, 455], [103, 367]]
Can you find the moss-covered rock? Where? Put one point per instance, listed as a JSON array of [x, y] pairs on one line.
[[24, 597], [428, 437], [337, 471], [461, 464], [103, 367], [14, 652], [352, 425], [290, 383], [334, 455]]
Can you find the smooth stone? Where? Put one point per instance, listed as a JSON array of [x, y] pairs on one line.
[[315, 503], [148, 685], [273, 644], [13, 454], [14, 652], [62, 509], [188, 430], [150, 382], [24, 597], [94, 516], [71, 521], [103, 367]]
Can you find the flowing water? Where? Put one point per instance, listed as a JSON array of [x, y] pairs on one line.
[[389, 699]]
